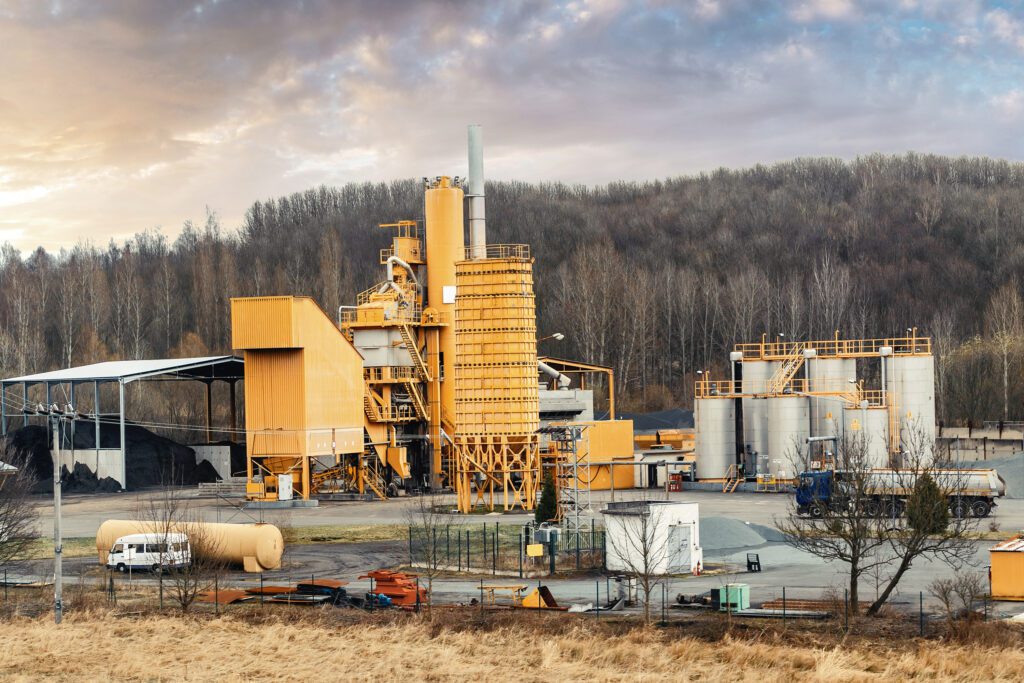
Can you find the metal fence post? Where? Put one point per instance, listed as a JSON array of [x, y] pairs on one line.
[[846, 607], [467, 550], [597, 599], [261, 588], [783, 607], [410, 545], [417, 595], [552, 551], [920, 613], [447, 545], [483, 530]]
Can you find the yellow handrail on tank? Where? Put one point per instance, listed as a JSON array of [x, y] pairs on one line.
[[912, 345], [498, 251]]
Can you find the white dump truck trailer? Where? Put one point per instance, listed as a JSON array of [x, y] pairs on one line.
[[971, 493]]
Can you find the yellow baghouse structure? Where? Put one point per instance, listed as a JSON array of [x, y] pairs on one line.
[[298, 370], [496, 387]]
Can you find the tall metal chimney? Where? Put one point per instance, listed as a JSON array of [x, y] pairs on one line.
[[477, 220]]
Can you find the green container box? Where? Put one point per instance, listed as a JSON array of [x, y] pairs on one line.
[[734, 597]]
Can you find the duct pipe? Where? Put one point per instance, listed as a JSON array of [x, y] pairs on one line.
[[391, 269], [477, 220], [563, 380]]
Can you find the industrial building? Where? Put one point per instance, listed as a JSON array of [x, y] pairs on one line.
[[429, 380], [786, 402]]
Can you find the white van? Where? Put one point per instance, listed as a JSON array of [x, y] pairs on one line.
[[149, 551]]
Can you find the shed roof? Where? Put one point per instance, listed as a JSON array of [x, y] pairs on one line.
[[1013, 545], [205, 367]]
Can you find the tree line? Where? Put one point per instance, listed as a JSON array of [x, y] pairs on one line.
[[656, 279]]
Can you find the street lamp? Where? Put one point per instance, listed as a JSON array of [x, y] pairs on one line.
[[557, 336]]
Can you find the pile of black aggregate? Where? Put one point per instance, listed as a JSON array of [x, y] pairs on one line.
[[151, 460]]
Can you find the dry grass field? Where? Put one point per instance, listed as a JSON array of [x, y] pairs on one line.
[[295, 644]]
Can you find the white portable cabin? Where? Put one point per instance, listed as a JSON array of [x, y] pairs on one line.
[[657, 537]]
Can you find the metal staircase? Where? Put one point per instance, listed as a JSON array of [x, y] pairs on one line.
[[417, 400], [732, 479], [787, 371], [414, 351]]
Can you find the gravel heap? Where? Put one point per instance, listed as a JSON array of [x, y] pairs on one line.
[[726, 533], [151, 460]]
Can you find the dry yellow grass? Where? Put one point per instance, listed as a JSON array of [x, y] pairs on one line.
[[350, 533], [310, 647]]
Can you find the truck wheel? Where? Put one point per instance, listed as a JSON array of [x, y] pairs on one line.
[[893, 509], [980, 508], [959, 509], [816, 510], [155, 568], [121, 568], [870, 508]]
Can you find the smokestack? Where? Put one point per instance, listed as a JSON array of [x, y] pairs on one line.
[[477, 221]]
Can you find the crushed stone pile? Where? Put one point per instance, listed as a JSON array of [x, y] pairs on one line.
[[726, 533], [151, 460]]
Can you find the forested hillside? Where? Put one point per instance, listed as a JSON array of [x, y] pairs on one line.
[[657, 279]]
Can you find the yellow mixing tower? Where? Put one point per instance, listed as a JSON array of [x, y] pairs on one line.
[[496, 387]]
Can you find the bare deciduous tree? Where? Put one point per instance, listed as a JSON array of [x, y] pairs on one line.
[[17, 512], [429, 530], [638, 545], [846, 528]]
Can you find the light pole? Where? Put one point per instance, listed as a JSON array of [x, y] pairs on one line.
[[557, 336]]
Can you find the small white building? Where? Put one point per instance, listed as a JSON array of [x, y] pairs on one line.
[[651, 536]]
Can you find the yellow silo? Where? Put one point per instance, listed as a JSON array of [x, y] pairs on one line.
[[445, 246]]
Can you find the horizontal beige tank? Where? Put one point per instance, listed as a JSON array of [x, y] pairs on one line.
[[256, 547]]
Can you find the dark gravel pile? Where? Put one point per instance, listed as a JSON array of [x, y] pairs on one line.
[[152, 460]]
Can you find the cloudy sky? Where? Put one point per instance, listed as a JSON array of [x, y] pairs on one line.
[[116, 117]]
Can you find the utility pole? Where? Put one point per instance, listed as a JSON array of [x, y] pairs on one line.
[[58, 569]]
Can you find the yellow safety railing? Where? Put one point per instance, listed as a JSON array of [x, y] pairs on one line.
[[853, 394], [498, 251], [836, 348]]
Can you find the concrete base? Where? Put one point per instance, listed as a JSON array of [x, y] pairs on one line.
[[357, 497], [280, 504], [745, 487]]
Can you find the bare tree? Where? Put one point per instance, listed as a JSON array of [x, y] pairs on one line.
[[429, 530], [938, 522], [638, 545], [958, 595], [841, 521], [17, 512], [167, 514], [1003, 318]]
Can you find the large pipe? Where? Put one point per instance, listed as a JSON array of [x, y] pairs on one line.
[[563, 380], [477, 219]]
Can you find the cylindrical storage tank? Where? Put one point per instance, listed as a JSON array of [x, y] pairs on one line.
[[496, 387], [254, 547], [910, 381], [788, 429], [872, 425], [828, 374], [756, 374], [442, 213], [715, 439]]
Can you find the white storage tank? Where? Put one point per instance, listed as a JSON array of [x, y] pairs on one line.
[[788, 429], [871, 424], [910, 380], [755, 410], [715, 440], [828, 374]]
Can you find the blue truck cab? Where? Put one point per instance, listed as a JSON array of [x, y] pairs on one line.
[[813, 492]]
